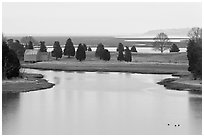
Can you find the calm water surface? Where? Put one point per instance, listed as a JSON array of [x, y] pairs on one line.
[[102, 103]]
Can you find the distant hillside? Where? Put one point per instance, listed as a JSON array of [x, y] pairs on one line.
[[182, 32]]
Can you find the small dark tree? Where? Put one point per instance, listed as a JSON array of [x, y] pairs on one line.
[[120, 56], [89, 49], [106, 55], [99, 50], [174, 48], [42, 46], [85, 47], [69, 49], [133, 49], [80, 53], [120, 47], [128, 55], [57, 50]]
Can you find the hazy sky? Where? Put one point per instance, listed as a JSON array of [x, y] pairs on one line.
[[97, 18]]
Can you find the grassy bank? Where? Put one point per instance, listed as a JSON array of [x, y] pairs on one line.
[[28, 82], [142, 63], [145, 63]]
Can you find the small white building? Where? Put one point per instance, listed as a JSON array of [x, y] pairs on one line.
[[34, 55]]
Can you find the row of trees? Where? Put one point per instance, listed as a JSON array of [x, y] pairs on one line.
[[121, 48], [80, 55], [127, 57], [69, 50], [20, 48]]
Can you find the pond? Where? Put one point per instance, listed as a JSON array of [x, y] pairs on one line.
[[102, 103]]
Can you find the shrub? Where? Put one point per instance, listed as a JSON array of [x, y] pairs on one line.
[[99, 50], [133, 49], [120, 47], [57, 50], [120, 56], [42, 46], [69, 49], [106, 55], [89, 49], [128, 55], [80, 53], [174, 48]]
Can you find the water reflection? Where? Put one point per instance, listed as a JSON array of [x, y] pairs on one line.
[[102, 103], [195, 111], [10, 111]]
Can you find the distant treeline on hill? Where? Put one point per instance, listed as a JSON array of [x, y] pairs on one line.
[[91, 40]]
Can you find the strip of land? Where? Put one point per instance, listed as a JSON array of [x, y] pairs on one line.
[[145, 63], [26, 83]]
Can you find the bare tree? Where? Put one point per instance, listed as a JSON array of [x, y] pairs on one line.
[[196, 35], [25, 40], [161, 42]]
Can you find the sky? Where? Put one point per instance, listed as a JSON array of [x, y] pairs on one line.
[[97, 18]]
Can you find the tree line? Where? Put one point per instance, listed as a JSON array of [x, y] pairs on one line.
[[101, 52], [13, 51]]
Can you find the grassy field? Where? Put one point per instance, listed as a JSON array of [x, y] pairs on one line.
[[167, 63]]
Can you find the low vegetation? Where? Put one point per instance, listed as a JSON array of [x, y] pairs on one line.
[[174, 48], [133, 49]]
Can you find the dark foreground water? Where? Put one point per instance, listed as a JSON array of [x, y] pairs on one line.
[[102, 103]]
